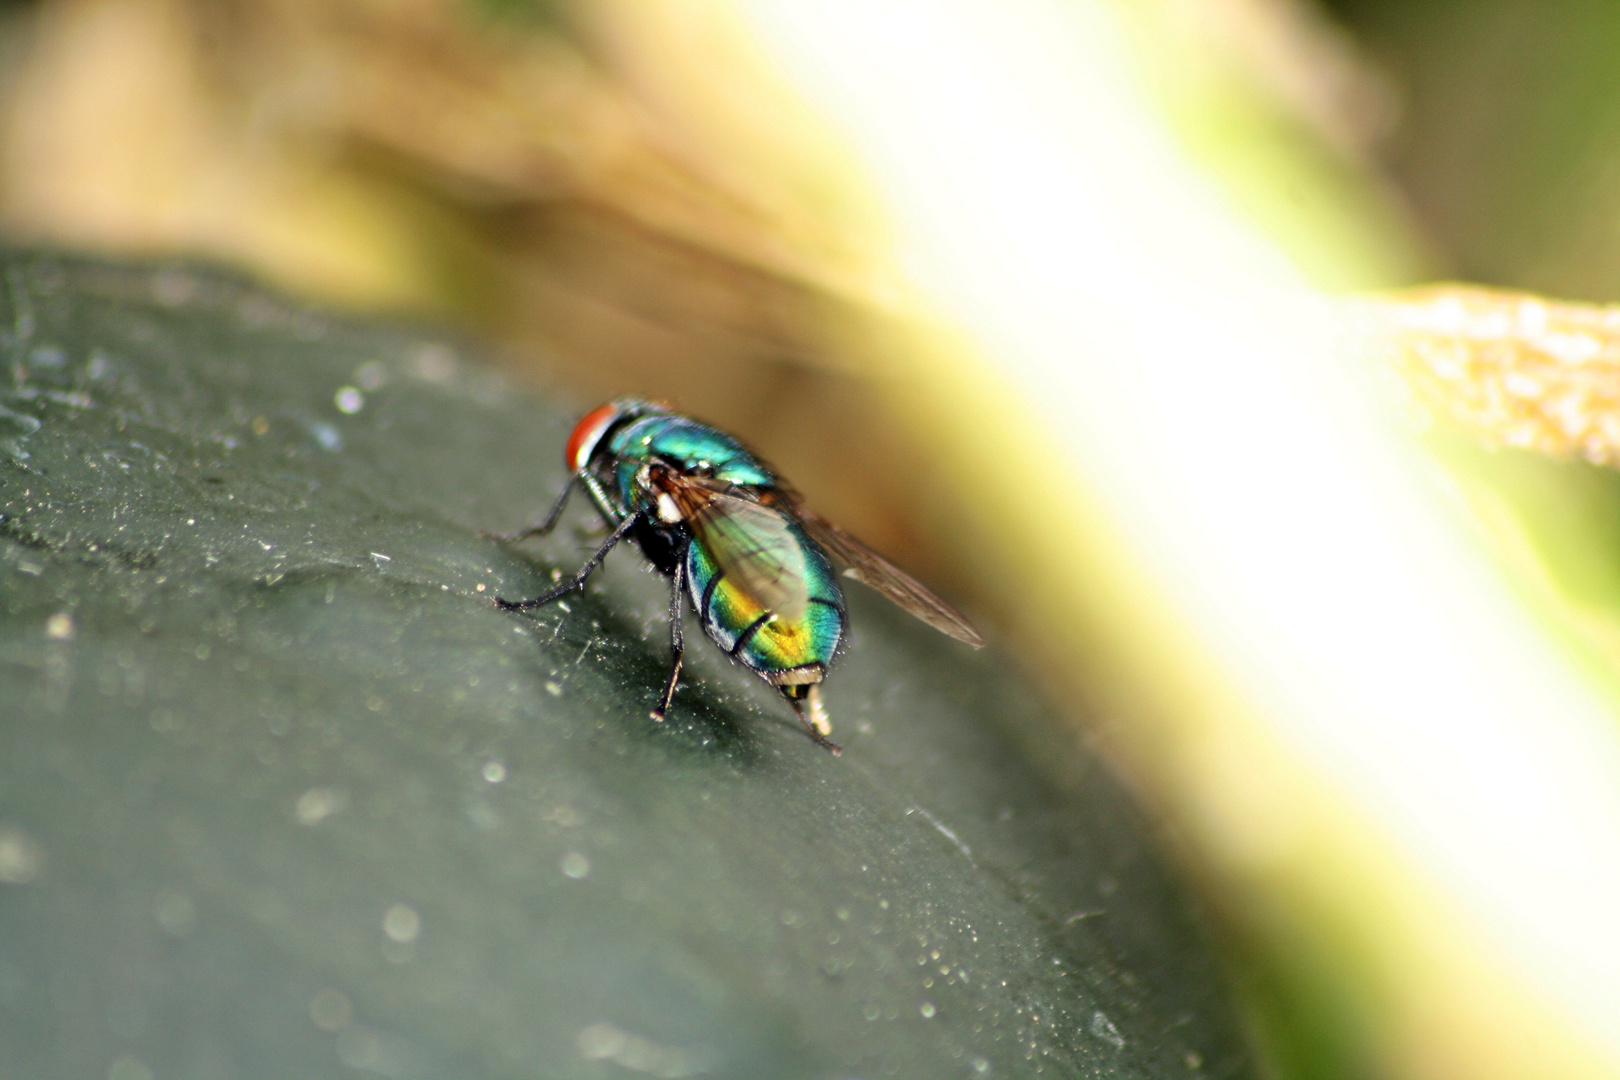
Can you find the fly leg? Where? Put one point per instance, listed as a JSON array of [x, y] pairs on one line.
[[543, 527], [676, 646], [816, 724], [578, 580]]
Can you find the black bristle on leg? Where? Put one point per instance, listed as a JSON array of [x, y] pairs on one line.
[[677, 647], [578, 580]]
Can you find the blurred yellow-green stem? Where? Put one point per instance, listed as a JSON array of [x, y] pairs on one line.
[[1208, 520]]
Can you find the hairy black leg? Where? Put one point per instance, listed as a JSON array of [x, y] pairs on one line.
[[550, 522], [578, 580], [676, 647]]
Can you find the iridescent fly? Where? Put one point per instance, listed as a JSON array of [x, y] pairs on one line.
[[755, 563]]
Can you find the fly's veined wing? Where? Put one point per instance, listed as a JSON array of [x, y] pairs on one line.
[[873, 570], [752, 543]]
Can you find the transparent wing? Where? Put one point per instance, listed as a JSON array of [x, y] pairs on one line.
[[874, 571], [750, 542]]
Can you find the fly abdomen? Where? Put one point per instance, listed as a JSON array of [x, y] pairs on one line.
[[762, 639]]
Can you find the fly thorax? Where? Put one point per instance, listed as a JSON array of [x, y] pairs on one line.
[[655, 481], [668, 513]]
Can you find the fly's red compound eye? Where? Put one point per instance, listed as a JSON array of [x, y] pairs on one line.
[[587, 433]]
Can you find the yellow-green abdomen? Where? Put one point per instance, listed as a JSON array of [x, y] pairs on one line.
[[784, 651]]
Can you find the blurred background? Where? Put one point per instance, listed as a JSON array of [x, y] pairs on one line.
[[1039, 297]]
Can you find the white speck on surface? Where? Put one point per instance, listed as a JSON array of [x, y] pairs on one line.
[[317, 804], [326, 436], [565, 815], [927, 1009], [600, 1042], [575, 865], [20, 856], [59, 627], [494, 772], [553, 688], [608, 1042], [945, 832], [349, 400], [1104, 1029], [402, 924]]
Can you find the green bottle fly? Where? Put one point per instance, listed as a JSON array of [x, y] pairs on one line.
[[755, 563]]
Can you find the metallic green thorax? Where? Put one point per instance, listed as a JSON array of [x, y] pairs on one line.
[[784, 651], [688, 446]]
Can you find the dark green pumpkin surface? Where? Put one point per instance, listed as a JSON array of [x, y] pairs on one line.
[[282, 795]]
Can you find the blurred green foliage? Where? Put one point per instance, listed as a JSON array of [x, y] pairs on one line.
[[1508, 141]]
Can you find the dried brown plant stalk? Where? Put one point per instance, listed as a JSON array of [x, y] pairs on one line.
[[1507, 368]]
